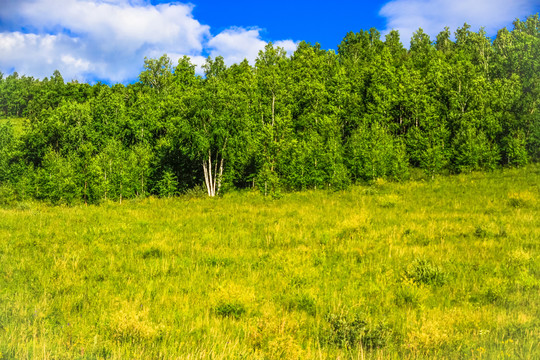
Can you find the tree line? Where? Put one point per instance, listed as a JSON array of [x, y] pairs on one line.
[[315, 119]]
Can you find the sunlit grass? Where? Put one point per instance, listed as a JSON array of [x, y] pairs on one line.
[[442, 269]]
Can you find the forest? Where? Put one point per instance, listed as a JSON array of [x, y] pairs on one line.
[[317, 119]]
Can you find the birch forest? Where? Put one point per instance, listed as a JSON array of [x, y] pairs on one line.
[[316, 119]]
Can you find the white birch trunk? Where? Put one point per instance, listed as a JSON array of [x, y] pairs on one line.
[[206, 182], [213, 177], [209, 178], [220, 175], [273, 107]]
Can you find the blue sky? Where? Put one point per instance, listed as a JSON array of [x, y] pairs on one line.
[[325, 22], [107, 40]]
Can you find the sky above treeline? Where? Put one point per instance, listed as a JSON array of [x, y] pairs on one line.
[[107, 40]]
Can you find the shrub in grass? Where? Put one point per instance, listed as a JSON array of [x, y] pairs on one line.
[[423, 271], [152, 253], [350, 332], [376, 337], [232, 309], [346, 331], [480, 232]]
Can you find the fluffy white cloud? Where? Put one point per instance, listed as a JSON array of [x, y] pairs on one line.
[[119, 23], [433, 15], [237, 44], [40, 55], [108, 39], [288, 45]]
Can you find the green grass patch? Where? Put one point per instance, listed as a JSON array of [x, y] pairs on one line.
[[448, 268]]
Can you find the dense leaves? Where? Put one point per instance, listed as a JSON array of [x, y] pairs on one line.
[[316, 119]]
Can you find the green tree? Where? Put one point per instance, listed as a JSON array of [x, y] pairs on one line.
[[157, 74], [58, 180], [274, 113], [372, 153]]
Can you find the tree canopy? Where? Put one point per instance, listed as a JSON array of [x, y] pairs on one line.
[[316, 119]]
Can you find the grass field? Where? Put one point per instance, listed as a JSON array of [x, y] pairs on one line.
[[446, 269]]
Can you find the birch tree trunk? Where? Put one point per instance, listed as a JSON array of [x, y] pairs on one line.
[[212, 177], [208, 178]]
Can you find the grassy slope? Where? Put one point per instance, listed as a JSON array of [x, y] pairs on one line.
[[447, 269]]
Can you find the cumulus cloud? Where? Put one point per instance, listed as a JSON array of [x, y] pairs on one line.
[[237, 44], [288, 45], [40, 55], [433, 15], [108, 39]]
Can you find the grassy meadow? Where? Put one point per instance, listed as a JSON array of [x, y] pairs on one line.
[[442, 269]]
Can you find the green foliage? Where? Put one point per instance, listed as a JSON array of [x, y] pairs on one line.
[[315, 119], [423, 271], [515, 148], [346, 331], [353, 331], [7, 147], [473, 151], [168, 185], [57, 181], [8, 197], [230, 309], [373, 153]]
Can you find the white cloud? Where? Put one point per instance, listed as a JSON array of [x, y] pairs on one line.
[[108, 39], [433, 15], [40, 55], [96, 39], [132, 26], [288, 45], [237, 44]]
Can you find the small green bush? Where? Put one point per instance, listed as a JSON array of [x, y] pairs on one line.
[[7, 195], [480, 232], [152, 253], [351, 332], [230, 309], [423, 271], [346, 332]]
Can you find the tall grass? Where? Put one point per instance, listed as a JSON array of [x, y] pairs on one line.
[[443, 269]]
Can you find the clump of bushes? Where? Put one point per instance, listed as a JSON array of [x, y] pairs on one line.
[[423, 271], [232, 309], [353, 331]]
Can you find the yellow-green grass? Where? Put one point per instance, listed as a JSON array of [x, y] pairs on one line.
[[445, 269], [17, 123]]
